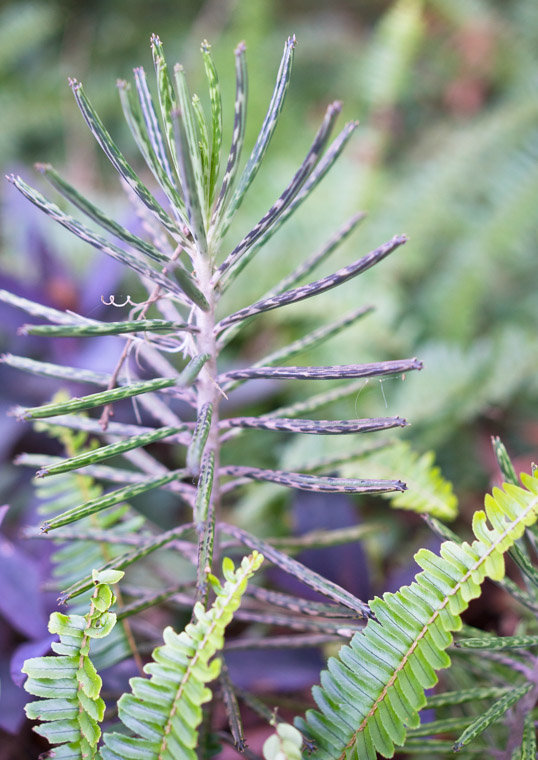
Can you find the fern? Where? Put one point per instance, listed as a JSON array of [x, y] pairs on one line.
[[371, 694], [67, 682], [165, 710], [428, 492]]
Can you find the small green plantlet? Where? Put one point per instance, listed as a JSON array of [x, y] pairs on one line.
[[284, 744]]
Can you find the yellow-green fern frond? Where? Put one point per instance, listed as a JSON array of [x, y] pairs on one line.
[[427, 491], [165, 710]]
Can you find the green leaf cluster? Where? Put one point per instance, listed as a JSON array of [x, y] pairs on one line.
[[67, 683]]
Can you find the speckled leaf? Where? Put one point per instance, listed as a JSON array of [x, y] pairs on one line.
[[265, 226], [95, 240], [199, 437], [189, 181], [265, 135], [491, 715], [316, 483], [96, 214], [135, 121], [297, 569], [311, 183], [314, 427], [190, 146], [318, 286], [106, 328], [105, 452], [117, 160], [73, 374], [324, 373], [109, 500], [302, 344], [95, 399], [216, 118], [238, 135]]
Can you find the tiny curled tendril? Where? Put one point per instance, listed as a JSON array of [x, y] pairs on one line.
[[112, 302]]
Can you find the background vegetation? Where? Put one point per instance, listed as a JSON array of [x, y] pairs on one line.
[[445, 91]]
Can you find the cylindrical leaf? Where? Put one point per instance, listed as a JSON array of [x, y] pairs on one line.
[[317, 287], [491, 715], [95, 399], [199, 437], [105, 452], [106, 328], [316, 483], [109, 500], [314, 427], [323, 373]]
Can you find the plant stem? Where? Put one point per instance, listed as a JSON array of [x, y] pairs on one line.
[[208, 393]]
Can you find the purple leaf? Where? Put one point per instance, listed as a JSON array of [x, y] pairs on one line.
[[276, 671], [24, 652], [12, 701], [20, 600]]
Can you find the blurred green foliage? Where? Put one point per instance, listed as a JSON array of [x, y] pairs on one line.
[[446, 92]]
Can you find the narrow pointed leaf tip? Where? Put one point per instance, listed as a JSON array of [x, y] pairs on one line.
[[373, 691]]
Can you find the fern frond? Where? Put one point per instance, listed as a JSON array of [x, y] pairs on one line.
[[372, 692], [391, 52], [67, 682], [428, 492], [164, 711]]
